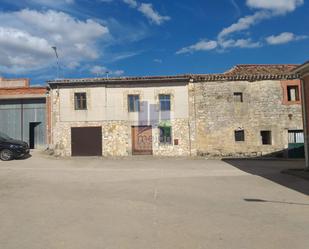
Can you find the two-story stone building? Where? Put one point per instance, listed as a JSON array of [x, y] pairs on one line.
[[251, 110], [120, 117]]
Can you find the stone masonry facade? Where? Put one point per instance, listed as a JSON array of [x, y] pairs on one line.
[[250, 99], [116, 134], [218, 116]]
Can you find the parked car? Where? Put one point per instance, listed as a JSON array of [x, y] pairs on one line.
[[11, 148]]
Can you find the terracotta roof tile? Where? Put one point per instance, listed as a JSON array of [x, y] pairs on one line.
[[239, 72], [260, 70], [253, 73]]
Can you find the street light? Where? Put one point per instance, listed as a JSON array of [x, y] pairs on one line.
[[57, 57]]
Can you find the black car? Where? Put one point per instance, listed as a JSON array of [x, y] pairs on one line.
[[11, 148]]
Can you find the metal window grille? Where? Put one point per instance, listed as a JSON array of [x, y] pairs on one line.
[[296, 137], [165, 135]]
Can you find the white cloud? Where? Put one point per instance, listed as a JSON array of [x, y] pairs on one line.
[[52, 1], [101, 70], [200, 46], [240, 43], [266, 9], [148, 11], [26, 38], [283, 38], [245, 23], [158, 61], [152, 15], [98, 70], [131, 3], [280, 6]]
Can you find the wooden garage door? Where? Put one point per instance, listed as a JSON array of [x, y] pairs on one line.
[[86, 141], [142, 140]]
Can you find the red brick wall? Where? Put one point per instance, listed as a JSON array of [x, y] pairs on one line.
[[285, 84], [22, 91]]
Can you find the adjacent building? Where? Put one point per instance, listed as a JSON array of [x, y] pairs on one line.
[[303, 71], [23, 111], [249, 111]]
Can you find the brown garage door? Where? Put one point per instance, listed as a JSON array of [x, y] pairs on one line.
[[86, 141], [142, 140]]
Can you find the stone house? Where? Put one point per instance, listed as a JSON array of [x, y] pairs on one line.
[[120, 117], [251, 110]]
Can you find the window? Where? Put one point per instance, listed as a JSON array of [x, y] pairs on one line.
[[165, 102], [80, 100], [238, 97], [266, 137], [165, 135], [293, 93], [133, 103], [296, 137], [239, 135]]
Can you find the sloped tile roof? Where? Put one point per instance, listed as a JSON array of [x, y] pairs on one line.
[[239, 72], [253, 73]]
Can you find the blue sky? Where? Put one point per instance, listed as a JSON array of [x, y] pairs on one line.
[[143, 37]]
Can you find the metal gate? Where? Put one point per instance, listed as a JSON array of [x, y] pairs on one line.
[[296, 144], [86, 141], [142, 140]]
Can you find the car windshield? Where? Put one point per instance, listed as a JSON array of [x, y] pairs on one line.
[[4, 136]]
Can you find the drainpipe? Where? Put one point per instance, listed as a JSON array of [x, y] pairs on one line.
[[22, 119], [305, 114]]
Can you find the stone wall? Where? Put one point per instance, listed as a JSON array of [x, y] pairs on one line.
[[117, 138], [217, 115], [116, 134]]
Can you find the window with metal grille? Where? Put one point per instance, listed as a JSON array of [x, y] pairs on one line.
[[296, 137], [165, 135], [238, 97], [80, 100], [266, 137], [133, 103], [293, 93], [165, 102], [239, 135]]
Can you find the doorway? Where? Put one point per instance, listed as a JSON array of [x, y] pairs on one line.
[[296, 144], [141, 140], [34, 134], [86, 141]]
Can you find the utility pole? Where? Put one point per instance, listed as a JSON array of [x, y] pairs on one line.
[[57, 58]]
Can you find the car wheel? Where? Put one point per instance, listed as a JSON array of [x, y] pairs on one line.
[[6, 155]]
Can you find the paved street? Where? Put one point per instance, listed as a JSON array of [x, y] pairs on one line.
[[145, 203]]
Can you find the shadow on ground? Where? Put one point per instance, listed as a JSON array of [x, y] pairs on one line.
[[272, 170], [24, 157]]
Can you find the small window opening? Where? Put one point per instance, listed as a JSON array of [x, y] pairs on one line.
[[80, 100], [165, 102], [133, 103], [238, 97], [165, 135], [293, 93], [239, 135], [266, 137]]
